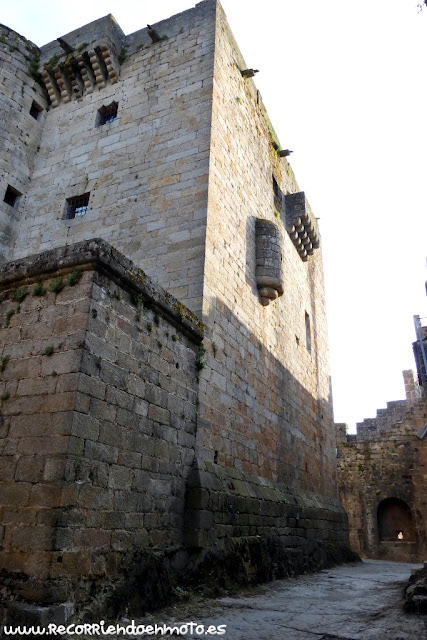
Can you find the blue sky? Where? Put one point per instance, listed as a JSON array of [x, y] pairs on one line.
[[344, 85]]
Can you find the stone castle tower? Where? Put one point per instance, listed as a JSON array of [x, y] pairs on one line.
[[161, 423]]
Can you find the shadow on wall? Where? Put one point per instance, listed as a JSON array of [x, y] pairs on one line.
[[250, 242], [123, 448], [255, 415]]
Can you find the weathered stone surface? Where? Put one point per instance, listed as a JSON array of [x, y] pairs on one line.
[[80, 456], [20, 133], [106, 380], [416, 592], [381, 471]]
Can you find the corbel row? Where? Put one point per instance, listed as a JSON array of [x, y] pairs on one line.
[[301, 225], [80, 73]]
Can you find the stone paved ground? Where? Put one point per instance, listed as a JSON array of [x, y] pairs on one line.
[[353, 602]]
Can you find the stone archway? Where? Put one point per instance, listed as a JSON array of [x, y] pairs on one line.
[[395, 523]]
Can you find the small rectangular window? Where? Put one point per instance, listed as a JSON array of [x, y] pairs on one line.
[[307, 332], [11, 196], [77, 206], [35, 110], [107, 114]]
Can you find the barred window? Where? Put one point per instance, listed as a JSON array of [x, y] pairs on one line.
[[77, 206], [107, 114]]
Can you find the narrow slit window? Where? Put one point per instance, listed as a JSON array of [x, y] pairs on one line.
[[277, 196], [11, 197], [77, 206], [107, 114], [307, 332], [35, 110]]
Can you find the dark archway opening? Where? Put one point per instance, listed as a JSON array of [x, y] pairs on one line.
[[395, 521]]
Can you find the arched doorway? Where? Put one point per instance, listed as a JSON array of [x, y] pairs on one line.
[[395, 521]]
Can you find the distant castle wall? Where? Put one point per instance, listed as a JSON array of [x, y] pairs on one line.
[[381, 468]]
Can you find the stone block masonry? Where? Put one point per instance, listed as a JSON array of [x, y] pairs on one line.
[[382, 479], [149, 203], [133, 451], [20, 128], [101, 480], [98, 419], [265, 401]]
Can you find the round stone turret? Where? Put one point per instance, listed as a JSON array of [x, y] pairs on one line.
[[269, 269], [22, 108]]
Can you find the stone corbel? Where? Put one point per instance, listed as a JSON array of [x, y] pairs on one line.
[[301, 225]]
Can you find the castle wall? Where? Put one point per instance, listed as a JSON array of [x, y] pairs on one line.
[[101, 479], [266, 396], [98, 405], [146, 171], [218, 453], [20, 132], [386, 460]]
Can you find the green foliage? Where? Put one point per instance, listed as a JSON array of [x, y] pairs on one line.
[[5, 395], [38, 289], [33, 69], [53, 60], [150, 326], [137, 299], [274, 141], [74, 277], [157, 319], [19, 295], [122, 55], [114, 294], [214, 348], [175, 337], [9, 314], [48, 351], [54, 374], [200, 360], [181, 311], [82, 46], [3, 362], [57, 285]]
